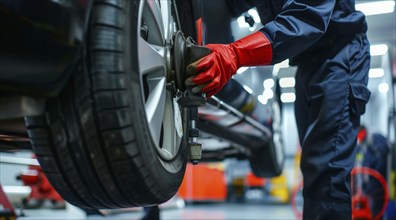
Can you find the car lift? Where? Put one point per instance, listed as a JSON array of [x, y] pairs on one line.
[[7, 211], [32, 177]]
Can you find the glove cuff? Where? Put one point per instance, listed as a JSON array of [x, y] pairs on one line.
[[253, 50]]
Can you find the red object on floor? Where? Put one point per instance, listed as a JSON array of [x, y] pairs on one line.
[[361, 202], [203, 183], [254, 181], [361, 207], [7, 212], [41, 187]]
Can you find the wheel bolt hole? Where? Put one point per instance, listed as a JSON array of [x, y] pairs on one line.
[[144, 31]]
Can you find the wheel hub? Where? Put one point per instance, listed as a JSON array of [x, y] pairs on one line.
[[185, 51], [179, 54]]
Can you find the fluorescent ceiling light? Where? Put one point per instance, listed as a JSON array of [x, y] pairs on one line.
[[268, 93], [378, 49], [376, 7], [268, 83], [283, 64], [287, 82], [376, 73], [383, 87], [242, 69], [242, 23], [255, 15], [252, 28], [262, 99], [288, 97], [248, 89]]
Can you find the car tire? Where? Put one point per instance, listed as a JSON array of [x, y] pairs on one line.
[[110, 139], [268, 160]]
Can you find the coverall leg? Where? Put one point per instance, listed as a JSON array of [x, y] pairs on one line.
[[331, 94]]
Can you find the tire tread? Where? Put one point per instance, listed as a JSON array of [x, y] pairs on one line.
[[86, 142]]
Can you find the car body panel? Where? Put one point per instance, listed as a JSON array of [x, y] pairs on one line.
[[40, 40]]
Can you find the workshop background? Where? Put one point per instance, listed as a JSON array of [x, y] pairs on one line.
[[228, 189]]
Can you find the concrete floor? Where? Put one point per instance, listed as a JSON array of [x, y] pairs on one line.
[[172, 210], [202, 211]]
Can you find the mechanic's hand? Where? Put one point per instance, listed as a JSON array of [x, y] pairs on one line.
[[215, 70], [210, 73]]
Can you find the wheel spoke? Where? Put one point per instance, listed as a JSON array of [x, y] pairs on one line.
[[169, 134], [151, 57], [155, 23], [166, 18], [155, 104], [156, 30]]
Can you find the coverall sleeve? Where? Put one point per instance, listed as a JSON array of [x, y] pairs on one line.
[[298, 26]]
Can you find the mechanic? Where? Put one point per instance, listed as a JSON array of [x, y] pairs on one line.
[[326, 40]]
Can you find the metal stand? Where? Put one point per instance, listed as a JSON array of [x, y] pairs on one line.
[[185, 51], [7, 211]]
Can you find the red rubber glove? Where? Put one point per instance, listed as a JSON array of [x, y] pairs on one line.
[[210, 73]]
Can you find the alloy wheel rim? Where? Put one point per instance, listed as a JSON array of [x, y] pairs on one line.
[[156, 27]]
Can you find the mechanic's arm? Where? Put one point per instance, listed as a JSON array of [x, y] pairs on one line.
[[296, 28]]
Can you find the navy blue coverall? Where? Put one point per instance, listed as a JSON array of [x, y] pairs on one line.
[[327, 40]]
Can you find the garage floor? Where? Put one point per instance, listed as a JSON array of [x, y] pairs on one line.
[[210, 211]]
